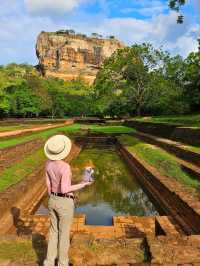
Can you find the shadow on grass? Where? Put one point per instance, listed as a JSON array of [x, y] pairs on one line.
[[39, 242]]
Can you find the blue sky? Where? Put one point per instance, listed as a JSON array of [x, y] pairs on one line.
[[131, 21]]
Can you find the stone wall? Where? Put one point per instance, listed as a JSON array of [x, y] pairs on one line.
[[25, 195], [186, 135], [170, 196]]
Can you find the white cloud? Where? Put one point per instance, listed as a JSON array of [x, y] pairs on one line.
[[52, 6], [18, 37], [19, 30], [161, 30], [146, 8]]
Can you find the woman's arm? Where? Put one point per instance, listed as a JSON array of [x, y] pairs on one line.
[[66, 185]]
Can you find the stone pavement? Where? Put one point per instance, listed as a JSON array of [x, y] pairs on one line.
[[123, 226], [132, 240], [179, 250]]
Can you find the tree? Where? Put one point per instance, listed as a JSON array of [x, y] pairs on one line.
[[176, 5], [96, 35], [24, 102], [127, 74], [39, 88], [191, 80]]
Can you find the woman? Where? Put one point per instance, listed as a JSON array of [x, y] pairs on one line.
[[61, 199]]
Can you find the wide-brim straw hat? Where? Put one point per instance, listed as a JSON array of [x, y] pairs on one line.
[[57, 147]]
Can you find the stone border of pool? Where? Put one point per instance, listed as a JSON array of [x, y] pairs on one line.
[[169, 196], [32, 188], [173, 197], [188, 135], [165, 235]]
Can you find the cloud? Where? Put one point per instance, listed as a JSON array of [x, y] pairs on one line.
[[146, 8], [18, 37], [51, 6], [19, 29], [161, 30]]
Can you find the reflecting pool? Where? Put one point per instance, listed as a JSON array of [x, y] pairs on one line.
[[114, 192]]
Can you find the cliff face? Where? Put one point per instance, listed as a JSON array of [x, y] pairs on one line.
[[71, 56]]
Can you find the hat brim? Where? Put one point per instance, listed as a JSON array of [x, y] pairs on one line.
[[62, 155]]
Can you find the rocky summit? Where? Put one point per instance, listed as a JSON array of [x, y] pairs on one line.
[[70, 56]]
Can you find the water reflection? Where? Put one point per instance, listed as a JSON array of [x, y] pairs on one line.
[[114, 192]]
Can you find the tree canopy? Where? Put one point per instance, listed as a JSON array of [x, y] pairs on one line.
[[136, 80], [140, 80], [24, 93]]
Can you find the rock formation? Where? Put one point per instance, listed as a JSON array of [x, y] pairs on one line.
[[69, 56]]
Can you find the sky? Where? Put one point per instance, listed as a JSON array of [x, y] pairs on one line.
[[131, 21]]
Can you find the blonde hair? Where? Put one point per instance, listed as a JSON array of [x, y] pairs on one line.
[[89, 164]]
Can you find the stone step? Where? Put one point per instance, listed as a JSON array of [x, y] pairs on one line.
[[175, 249], [85, 250]]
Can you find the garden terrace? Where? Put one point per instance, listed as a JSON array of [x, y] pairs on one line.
[[21, 131], [145, 204], [187, 135]]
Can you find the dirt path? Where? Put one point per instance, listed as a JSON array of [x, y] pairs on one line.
[[29, 130]]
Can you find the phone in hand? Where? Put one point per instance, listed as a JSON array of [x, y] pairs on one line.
[[87, 175]]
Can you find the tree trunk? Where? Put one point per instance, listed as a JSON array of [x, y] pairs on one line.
[[138, 110]]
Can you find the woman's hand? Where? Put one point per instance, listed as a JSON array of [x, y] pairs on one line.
[[88, 183]]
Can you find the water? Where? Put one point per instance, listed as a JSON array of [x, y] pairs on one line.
[[114, 192]]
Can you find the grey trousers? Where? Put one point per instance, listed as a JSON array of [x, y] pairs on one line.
[[61, 211]]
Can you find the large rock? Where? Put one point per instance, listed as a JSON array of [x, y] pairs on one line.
[[68, 56]]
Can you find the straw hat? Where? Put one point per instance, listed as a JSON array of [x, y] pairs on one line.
[[57, 147]]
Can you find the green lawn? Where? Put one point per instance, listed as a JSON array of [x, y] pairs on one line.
[[14, 127], [21, 251], [18, 171], [111, 129], [184, 120], [25, 167], [43, 135], [192, 148], [160, 159]]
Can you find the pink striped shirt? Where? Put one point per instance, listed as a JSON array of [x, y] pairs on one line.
[[58, 178]]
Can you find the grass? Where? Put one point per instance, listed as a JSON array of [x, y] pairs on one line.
[[14, 127], [43, 135], [17, 251], [70, 129], [192, 148], [183, 120], [18, 171], [111, 129], [26, 166], [160, 159]]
